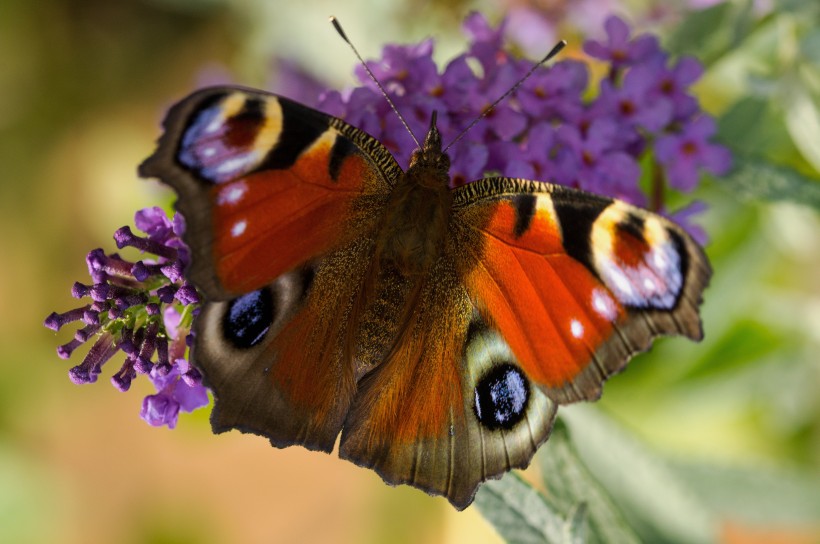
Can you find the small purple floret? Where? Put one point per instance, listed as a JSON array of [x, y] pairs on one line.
[[173, 270], [55, 321], [166, 294], [65, 351], [122, 379], [141, 271], [82, 335], [80, 375], [79, 290], [160, 409], [124, 238], [187, 294], [91, 317]]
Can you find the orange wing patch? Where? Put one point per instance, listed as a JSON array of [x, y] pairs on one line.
[[551, 309], [268, 222]]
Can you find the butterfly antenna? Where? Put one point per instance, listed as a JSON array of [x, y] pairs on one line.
[[341, 32], [554, 51]]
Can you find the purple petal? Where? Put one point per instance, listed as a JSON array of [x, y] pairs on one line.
[[468, 162], [666, 148], [683, 217], [160, 409], [477, 27], [654, 115], [506, 122], [617, 31], [687, 71], [153, 222], [530, 29], [683, 174], [190, 398], [596, 50], [716, 159], [642, 48], [295, 82], [621, 167], [701, 128]]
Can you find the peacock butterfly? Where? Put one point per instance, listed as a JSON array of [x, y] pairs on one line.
[[436, 329]]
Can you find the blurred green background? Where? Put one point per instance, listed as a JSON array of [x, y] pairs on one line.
[[83, 85]]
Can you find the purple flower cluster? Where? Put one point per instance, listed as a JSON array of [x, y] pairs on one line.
[[547, 129], [144, 309]]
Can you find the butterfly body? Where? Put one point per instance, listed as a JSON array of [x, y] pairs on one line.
[[435, 329], [417, 215]]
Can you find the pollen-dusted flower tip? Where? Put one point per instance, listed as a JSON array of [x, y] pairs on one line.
[[130, 302]]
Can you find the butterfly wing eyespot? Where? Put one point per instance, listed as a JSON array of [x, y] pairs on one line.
[[577, 283]]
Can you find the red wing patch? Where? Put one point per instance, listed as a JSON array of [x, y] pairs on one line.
[[549, 307], [273, 220], [265, 184]]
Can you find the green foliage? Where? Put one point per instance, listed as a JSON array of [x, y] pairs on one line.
[[762, 180], [570, 485], [522, 515], [710, 33], [603, 485]]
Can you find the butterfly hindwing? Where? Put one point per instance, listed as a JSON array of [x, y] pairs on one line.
[[449, 407], [275, 357], [577, 283]]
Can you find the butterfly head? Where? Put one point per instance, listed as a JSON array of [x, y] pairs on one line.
[[429, 157]]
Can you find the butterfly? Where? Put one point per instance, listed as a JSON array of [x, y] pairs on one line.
[[435, 330]]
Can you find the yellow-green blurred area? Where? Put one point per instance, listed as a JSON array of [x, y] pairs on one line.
[[83, 85]]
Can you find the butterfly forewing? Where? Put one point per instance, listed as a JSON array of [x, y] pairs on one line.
[[577, 283], [266, 184]]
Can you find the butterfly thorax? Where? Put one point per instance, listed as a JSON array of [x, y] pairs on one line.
[[414, 224]]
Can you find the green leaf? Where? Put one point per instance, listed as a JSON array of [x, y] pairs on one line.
[[762, 495], [802, 120], [657, 503], [760, 180], [576, 529], [744, 342], [520, 513], [712, 32], [700, 31], [568, 482], [753, 124], [810, 46]]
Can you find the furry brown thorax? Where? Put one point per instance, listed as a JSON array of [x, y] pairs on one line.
[[414, 225]]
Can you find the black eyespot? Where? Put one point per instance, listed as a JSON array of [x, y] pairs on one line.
[[248, 318], [501, 397]]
